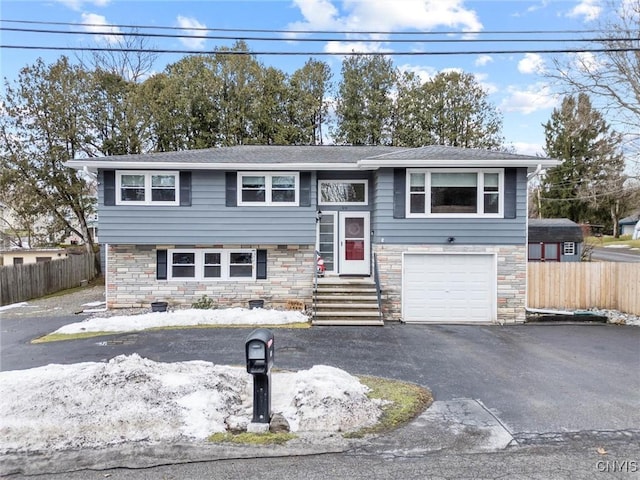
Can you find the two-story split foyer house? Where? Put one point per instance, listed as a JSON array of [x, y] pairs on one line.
[[442, 230]]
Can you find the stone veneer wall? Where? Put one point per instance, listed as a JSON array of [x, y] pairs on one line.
[[512, 276], [131, 279]]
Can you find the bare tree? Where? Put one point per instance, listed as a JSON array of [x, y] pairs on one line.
[[132, 66], [611, 77]]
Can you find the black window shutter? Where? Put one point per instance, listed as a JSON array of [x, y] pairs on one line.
[[261, 264], [399, 192], [185, 189], [109, 184], [161, 264], [231, 189], [510, 192], [305, 189]]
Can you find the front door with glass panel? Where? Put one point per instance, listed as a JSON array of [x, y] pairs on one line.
[[354, 245]]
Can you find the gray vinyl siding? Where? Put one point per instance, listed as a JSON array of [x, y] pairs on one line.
[[207, 221], [476, 231]]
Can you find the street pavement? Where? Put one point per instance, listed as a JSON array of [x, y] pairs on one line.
[[616, 255], [515, 390]]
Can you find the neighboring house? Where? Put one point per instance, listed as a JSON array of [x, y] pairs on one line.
[[627, 224], [445, 228], [21, 256], [554, 240], [74, 239]]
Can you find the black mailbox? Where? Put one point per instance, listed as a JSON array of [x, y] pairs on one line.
[[259, 351]]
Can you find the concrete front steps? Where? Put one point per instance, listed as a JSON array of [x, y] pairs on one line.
[[347, 301]]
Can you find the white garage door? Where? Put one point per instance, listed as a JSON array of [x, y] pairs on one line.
[[448, 288]]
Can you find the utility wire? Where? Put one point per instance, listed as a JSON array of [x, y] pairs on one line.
[[320, 53], [311, 32], [323, 39]]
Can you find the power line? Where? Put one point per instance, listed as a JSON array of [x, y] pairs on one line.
[[322, 39], [319, 53], [311, 32]]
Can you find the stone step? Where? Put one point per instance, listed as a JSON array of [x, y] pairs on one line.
[[347, 313], [346, 280], [348, 323], [347, 291], [350, 299], [348, 306]]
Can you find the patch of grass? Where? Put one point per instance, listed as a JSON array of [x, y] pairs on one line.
[[59, 337], [406, 401], [245, 438], [610, 240]]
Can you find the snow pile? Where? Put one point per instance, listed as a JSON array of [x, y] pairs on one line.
[[132, 399], [188, 317], [312, 400]]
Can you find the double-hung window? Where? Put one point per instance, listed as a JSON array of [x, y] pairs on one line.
[[205, 264], [147, 188], [269, 189], [455, 193], [569, 248]]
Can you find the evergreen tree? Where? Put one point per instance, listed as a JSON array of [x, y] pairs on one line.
[[364, 104], [308, 104], [455, 112], [589, 182]]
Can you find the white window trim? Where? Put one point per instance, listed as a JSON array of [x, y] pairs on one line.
[[569, 248], [147, 187], [480, 195], [362, 182], [225, 264], [268, 187]]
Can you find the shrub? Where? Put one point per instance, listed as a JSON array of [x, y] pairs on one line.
[[203, 303]]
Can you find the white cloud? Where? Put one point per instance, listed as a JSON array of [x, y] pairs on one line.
[[354, 46], [78, 4], [483, 60], [535, 97], [423, 73], [482, 79], [98, 23], [524, 148], [586, 62], [319, 13], [531, 63], [383, 15], [189, 26], [589, 9]]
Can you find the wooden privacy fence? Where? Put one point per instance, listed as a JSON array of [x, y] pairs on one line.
[[19, 283], [579, 286]]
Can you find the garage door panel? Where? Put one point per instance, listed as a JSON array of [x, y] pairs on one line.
[[449, 288]]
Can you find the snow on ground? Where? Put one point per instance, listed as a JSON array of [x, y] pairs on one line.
[[188, 317], [133, 399], [12, 306]]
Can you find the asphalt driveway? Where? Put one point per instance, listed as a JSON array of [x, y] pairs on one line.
[[541, 382]]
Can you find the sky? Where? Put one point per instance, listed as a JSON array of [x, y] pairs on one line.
[[515, 81]]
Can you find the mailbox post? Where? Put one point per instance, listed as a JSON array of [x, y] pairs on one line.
[[259, 353]]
